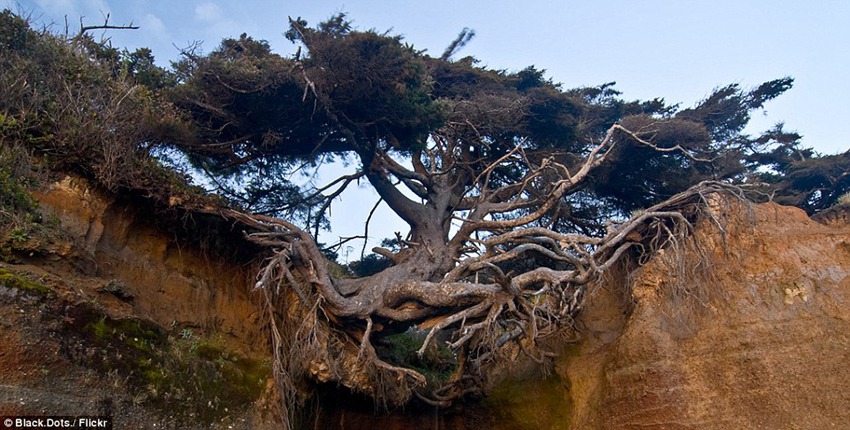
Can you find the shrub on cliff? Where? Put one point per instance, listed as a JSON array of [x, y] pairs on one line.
[[85, 107]]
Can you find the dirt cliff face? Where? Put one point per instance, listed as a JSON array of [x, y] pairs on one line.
[[119, 315], [762, 340], [172, 283]]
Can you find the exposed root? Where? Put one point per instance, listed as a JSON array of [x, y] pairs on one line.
[[485, 304]]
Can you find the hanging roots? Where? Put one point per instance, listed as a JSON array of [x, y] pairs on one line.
[[476, 311]]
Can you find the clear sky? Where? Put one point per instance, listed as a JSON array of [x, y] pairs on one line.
[[676, 49]]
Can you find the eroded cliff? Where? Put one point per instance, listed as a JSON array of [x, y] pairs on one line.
[[121, 315], [760, 340], [125, 314]]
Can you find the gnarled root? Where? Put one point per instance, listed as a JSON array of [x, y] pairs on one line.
[[326, 330]]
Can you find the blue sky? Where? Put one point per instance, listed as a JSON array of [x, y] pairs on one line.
[[679, 50]]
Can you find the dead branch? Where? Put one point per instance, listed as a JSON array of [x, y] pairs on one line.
[[104, 26]]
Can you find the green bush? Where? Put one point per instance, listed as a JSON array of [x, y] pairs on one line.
[[19, 218], [86, 108]]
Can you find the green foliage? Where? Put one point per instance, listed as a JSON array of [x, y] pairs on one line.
[[19, 217], [359, 93], [257, 111], [192, 378], [797, 175], [727, 110], [369, 265], [140, 66], [710, 133], [221, 378], [23, 229], [69, 101], [437, 364], [637, 176], [373, 86], [14, 196], [11, 279], [814, 184]]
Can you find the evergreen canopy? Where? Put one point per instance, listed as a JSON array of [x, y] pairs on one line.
[[370, 96]]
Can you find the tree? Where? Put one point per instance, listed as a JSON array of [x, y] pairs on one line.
[[814, 183], [519, 194], [524, 193]]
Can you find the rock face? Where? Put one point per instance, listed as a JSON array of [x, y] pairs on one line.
[[760, 340], [171, 283]]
